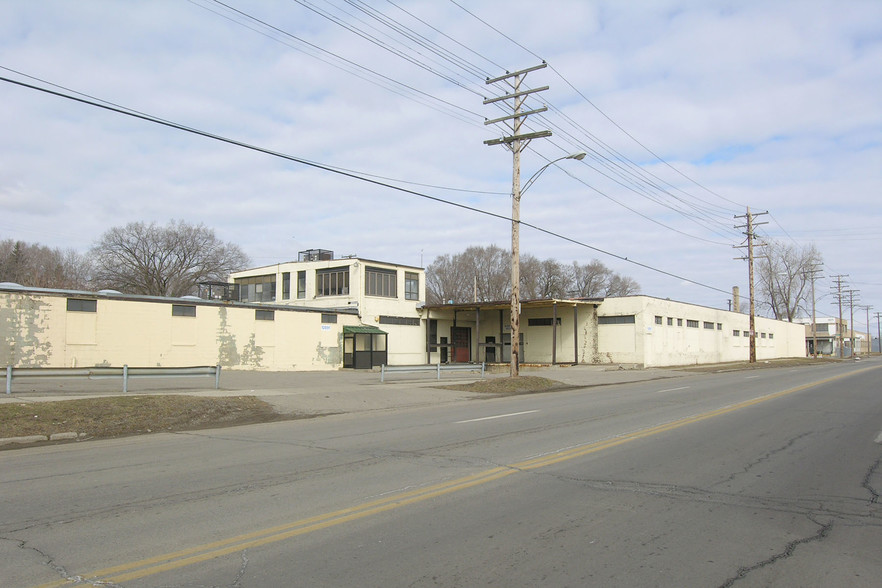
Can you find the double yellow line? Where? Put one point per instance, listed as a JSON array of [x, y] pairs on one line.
[[201, 553]]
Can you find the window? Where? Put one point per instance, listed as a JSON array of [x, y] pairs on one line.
[[719, 326], [257, 288], [82, 305], [329, 318], [747, 333], [762, 335], [771, 335], [286, 285], [332, 282], [691, 324], [708, 325], [183, 310], [541, 322], [265, 315], [400, 320], [411, 286], [679, 322], [301, 285], [822, 328], [736, 333], [658, 320], [381, 282], [670, 322], [616, 320]]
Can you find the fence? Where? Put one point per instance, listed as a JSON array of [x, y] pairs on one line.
[[101, 373], [438, 368]]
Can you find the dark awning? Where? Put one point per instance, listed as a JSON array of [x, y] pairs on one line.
[[364, 329]]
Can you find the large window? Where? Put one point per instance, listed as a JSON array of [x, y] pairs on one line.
[[286, 285], [257, 288], [400, 320], [411, 286], [183, 310], [691, 324], [541, 322], [332, 282], [264, 315], [301, 285], [381, 282]]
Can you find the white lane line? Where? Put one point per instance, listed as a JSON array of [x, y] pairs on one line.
[[499, 416], [674, 389]]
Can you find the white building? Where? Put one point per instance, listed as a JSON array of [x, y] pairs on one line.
[[387, 297]]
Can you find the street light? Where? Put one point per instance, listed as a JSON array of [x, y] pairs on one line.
[[516, 193]]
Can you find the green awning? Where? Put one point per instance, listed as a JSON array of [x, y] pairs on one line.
[[364, 329]]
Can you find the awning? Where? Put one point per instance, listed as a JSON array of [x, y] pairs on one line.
[[369, 329]]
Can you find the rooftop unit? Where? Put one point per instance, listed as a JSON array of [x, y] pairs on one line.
[[315, 255]]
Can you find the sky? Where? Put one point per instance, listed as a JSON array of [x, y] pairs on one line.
[[690, 112]]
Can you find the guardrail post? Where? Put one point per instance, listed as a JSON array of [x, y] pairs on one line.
[[217, 377], [9, 379], [482, 370], [439, 369], [125, 378], [382, 373]]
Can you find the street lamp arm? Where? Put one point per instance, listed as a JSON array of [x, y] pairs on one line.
[[577, 156]]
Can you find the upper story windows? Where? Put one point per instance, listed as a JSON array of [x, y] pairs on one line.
[[411, 286], [332, 282], [380, 282], [257, 288]]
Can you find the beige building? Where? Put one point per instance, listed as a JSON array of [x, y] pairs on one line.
[[387, 299], [58, 328], [657, 332]]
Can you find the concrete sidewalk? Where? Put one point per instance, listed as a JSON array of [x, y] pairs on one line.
[[324, 392]]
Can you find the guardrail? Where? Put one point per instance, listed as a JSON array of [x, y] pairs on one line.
[[437, 368], [102, 373]]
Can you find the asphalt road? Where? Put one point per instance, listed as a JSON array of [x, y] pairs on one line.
[[760, 478]]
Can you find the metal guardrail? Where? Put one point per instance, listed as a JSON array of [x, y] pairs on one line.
[[438, 368], [101, 373]]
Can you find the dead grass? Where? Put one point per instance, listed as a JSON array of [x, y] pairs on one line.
[[117, 416], [509, 385], [761, 364]]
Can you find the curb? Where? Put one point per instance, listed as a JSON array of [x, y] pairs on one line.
[[39, 438]]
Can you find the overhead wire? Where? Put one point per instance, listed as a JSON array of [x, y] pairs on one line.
[[156, 120]]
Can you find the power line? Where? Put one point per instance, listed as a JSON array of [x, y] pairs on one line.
[[180, 127]]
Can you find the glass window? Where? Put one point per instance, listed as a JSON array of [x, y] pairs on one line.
[[541, 322], [286, 285], [329, 318], [82, 305], [719, 326], [691, 324], [301, 285], [670, 322], [679, 322], [658, 320], [265, 315], [736, 333], [381, 282], [257, 288], [411, 286], [771, 335], [332, 282], [183, 310], [400, 320], [708, 325], [616, 320]]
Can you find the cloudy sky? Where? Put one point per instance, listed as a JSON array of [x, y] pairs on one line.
[[690, 111]]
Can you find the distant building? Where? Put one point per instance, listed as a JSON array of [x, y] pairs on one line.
[[830, 334]]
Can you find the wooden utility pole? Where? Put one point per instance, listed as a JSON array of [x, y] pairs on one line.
[[867, 307], [838, 282], [516, 142], [750, 227], [851, 294], [812, 275], [878, 330]]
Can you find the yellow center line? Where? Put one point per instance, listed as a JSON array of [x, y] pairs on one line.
[[208, 551]]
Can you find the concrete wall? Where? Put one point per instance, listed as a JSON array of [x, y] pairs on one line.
[[675, 342], [38, 330]]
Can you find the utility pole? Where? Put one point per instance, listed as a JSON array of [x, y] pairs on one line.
[[878, 330], [851, 294], [749, 227], [516, 143], [812, 275], [837, 280], [867, 307]]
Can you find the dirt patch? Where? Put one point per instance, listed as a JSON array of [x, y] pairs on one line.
[[118, 416], [510, 386]]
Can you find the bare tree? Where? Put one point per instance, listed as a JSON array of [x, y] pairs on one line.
[[485, 273], [163, 261], [784, 278], [41, 267]]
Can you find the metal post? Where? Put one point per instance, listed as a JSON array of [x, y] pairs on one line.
[[9, 379], [125, 378], [217, 377]]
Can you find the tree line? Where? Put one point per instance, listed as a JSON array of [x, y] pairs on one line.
[[138, 258], [484, 274]]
